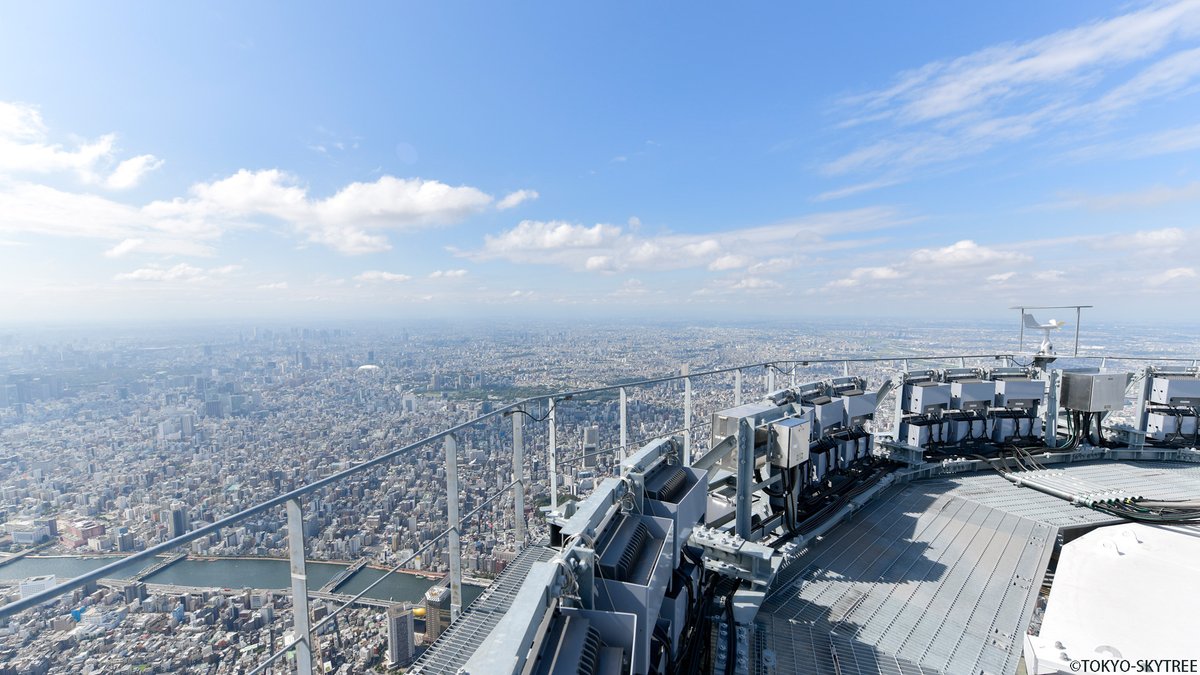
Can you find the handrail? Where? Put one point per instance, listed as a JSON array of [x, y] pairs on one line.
[[23, 604]]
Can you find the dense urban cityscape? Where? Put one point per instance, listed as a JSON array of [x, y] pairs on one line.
[[118, 440]]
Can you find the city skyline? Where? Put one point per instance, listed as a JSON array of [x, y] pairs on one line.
[[273, 163]]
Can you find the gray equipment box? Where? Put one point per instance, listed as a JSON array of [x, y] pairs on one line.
[[725, 422], [828, 413], [860, 407], [789, 442], [1023, 394], [922, 398], [1094, 392], [972, 394], [1166, 427], [1175, 391]]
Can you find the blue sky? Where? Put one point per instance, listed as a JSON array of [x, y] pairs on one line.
[[624, 159]]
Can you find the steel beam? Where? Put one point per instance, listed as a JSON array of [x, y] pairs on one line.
[[453, 522], [300, 621], [624, 427], [518, 474], [687, 421], [553, 452]]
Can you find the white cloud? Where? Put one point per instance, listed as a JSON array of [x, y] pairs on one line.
[[513, 199], [181, 272], [947, 88], [25, 148], [728, 262], [772, 266], [1156, 195], [130, 172], [952, 109], [1172, 275], [378, 275], [126, 246], [851, 190], [755, 284], [275, 286], [965, 252], [447, 274], [534, 235], [348, 221], [861, 274], [600, 263], [611, 248], [355, 219], [1000, 278], [1163, 240]]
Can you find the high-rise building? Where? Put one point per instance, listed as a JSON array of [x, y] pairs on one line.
[[177, 523], [400, 635], [591, 443], [437, 612]]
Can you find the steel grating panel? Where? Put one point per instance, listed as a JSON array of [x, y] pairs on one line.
[[457, 644], [936, 576]]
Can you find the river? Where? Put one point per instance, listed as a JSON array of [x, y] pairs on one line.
[[238, 574]]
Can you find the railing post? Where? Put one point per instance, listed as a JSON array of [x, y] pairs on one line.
[[1050, 430], [300, 625], [745, 477], [452, 516], [737, 387], [770, 378], [845, 369], [962, 362], [624, 427], [518, 474], [687, 421], [553, 452]]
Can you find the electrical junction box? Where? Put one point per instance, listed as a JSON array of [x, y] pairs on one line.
[[829, 413], [1184, 391], [725, 422], [1094, 392], [860, 407], [1168, 427], [922, 398], [972, 394], [789, 442], [1022, 394]]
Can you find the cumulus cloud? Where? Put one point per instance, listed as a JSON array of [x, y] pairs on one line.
[[728, 262], [447, 274], [860, 274], [350, 221], [514, 199], [124, 247], [355, 219], [129, 173], [25, 148], [181, 272], [378, 275], [1172, 275], [965, 252], [610, 248]]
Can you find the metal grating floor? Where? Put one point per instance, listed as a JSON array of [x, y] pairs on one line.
[[935, 576], [457, 644]]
